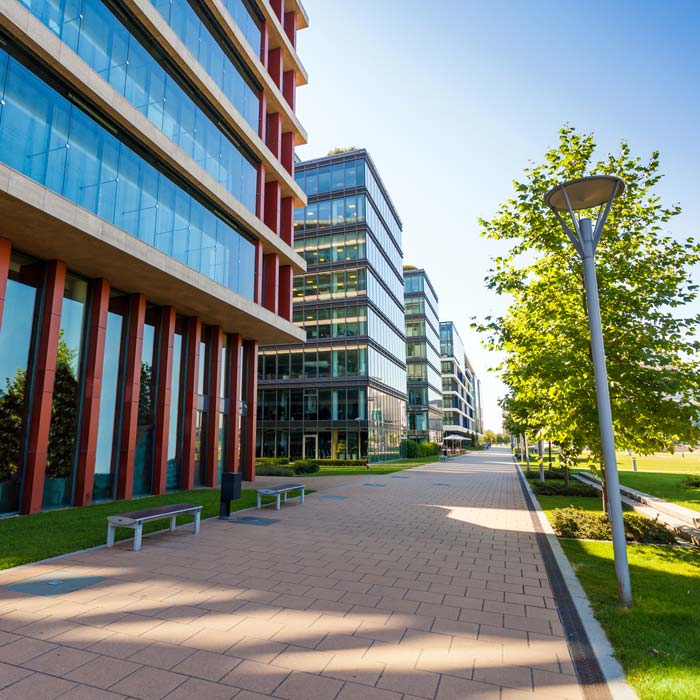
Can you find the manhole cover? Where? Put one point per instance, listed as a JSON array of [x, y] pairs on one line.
[[48, 585], [251, 520]]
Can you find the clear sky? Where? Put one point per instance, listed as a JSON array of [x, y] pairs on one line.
[[453, 97]]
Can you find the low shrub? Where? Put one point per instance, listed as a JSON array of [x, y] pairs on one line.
[[574, 488], [589, 525], [692, 482], [342, 462], [305, 466], [410, 448], [273, 470], [555, 474], [428, 449], [279, 461]]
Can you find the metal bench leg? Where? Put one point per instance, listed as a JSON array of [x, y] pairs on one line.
[[302, 495], [110, 535], [259, 500], [196, 522], [138, 533], [277, 506], [285, 496], [173, 521]]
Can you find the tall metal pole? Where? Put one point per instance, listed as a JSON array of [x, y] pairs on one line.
[[607, 438]]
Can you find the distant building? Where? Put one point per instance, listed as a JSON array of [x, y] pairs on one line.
[[422, 357], [342, 395], [461, 389]]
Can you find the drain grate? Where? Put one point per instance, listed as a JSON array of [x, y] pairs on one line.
[[334, 498], [56, 583], [399, 477], [252, 520], [440, 483], [382, 485]]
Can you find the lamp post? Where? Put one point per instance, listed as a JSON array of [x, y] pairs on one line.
[[572, 197]]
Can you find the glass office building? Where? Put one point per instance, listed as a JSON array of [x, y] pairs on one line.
[[461, 389], [422, 357], [343, 394], [147, 196]]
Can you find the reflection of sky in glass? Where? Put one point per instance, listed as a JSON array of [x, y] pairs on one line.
[[149, 333], [72, 329], [108, 394], [16, 330], [174, 397]]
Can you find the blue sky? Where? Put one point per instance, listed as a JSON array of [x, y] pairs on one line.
[[453, 98]]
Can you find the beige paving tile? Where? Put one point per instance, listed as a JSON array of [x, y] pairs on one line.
[[254, 649], [451, 688], [159, 655], [307, 686], [349, 666], [85, 692], [121, 646], [24, 649], [301, 659], [353, 691], [38, 686], [207, 665], [421, 683], [250, 675], [197, 689], [149, 683], [59, 661], [103, 671], [11, 674]]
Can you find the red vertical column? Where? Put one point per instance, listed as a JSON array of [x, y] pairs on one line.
[[289, 88], [277, 7], [42, 387], [271, 277], [258, 289], [290, 27], [250, 396], [189, 437], [274, 134], [286, 284], [163, 398], [287, 157], [92, 387], [273, 195], [5, 253], [235, 346], [132, 387], [275, 66], [287, 220], [212, 449]]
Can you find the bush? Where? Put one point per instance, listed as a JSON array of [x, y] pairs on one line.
[[692, 482], [273, 470], [428, 449], [305, 466], [279, 461], [411, 448], [588, 525], [342, 462], [555, 474], [574, 489]]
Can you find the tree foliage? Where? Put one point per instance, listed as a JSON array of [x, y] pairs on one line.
[[644, 285]]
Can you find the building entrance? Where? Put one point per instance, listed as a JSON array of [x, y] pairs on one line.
[[310, 446]]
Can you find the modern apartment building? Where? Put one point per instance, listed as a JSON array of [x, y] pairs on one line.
[[422, 357], [147, 198], [461, 389], [343, 394]]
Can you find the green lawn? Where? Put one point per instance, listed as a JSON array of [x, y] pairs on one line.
[[29, 538], [549, 503], [657, 640], [376, 469], [685, 462], [664, 485]]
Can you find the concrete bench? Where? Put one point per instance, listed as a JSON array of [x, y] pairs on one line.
[[278, 492], [136, 520]]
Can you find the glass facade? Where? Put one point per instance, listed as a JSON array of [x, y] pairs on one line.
[[50, 140], [425, 405], [319, 399], [107, 46], [459, 385]]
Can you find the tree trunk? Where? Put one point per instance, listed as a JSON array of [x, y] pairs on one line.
[[566, 475], [550, 456], [605, 490]]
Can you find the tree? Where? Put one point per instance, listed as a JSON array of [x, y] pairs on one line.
[[339, 150], [644, 281]]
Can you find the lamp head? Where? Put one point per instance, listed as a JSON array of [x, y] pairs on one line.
[[584, 193]]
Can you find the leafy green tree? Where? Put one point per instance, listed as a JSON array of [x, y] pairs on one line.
[[11, 423], [645, 285]]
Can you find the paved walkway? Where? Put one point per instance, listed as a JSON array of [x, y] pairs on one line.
[[418, 585]]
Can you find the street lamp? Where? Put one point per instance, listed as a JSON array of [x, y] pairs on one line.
[[597, 191]]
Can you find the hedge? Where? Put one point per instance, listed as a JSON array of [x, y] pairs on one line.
[[589, 525]]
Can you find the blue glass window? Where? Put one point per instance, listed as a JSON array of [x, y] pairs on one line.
[[45, 137]]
